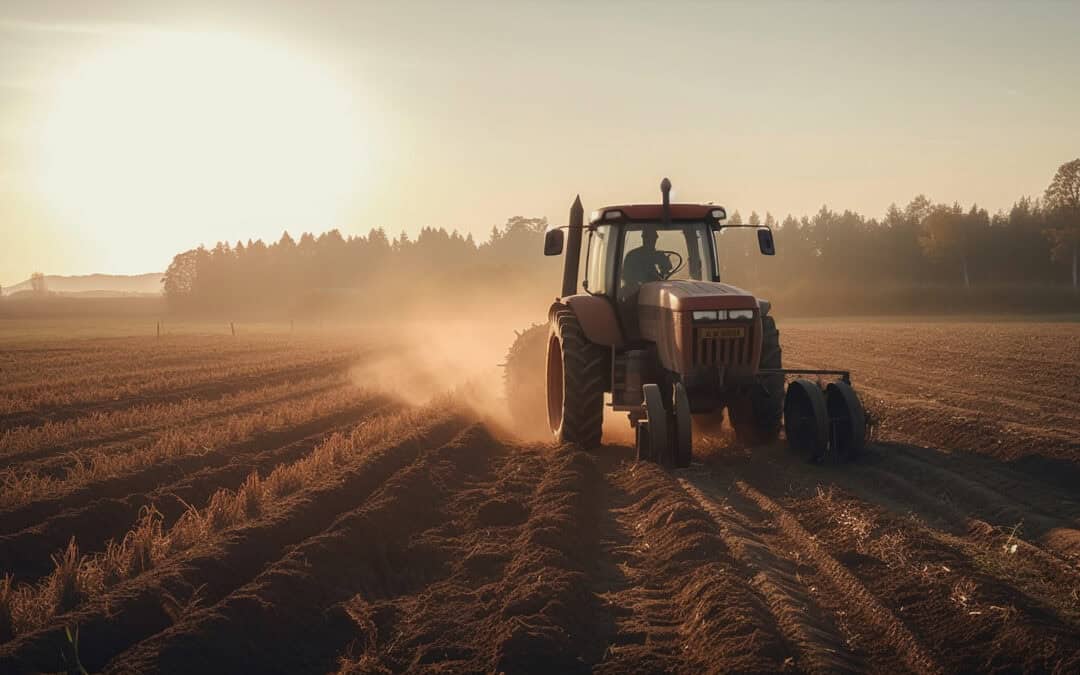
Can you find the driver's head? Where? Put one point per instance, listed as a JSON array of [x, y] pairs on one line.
[[649, 237]]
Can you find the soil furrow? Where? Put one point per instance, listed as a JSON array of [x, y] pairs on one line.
[[863, 604], [172, 470], [519, 599], [992, 502], [934, 503], [679, 598], [155, 600], [962, 598], [786, 585], [1026, 491], [31, 459], [209, 390], [280, 620], [27, 554]]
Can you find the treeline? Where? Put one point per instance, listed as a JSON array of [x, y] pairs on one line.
[[920, 245], [306, 275]]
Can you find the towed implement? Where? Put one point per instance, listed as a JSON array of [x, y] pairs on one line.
[[654, 327]]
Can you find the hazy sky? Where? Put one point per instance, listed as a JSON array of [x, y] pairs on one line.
[[130, 131]]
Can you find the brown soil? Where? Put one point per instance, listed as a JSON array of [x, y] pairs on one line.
[[951, 545]]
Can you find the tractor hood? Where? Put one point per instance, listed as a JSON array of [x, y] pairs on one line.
[[688, 347], [687, 296]]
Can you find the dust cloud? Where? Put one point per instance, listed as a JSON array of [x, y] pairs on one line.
[[425, 357]]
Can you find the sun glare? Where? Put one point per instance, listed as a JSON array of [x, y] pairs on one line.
[[179, 129]]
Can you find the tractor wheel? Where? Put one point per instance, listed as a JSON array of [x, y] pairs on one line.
[[656, 428], [577, 376], [757, 417], [523, 381], [684, 436]]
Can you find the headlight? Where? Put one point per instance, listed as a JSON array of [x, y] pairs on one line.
[[709, 315], [741, 314]]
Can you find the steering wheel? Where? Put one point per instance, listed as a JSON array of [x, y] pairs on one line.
[[676, 264]]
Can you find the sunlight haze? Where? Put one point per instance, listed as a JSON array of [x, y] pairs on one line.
[[132, 131]]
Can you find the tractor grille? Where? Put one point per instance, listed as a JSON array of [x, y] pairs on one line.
[[719, 351]]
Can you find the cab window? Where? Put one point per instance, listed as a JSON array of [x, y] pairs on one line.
[[654, 253], [600, 260]]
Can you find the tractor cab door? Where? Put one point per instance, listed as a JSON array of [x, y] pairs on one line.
[[600, 260]]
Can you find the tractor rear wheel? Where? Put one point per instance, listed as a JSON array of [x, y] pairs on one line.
[[577, 375], [757, 417]]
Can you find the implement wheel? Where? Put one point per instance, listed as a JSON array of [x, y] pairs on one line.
[[847, 420], [806, 420]]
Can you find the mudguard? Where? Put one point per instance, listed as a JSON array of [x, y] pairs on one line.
[[596, 316]]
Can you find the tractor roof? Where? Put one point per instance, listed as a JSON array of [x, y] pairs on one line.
[[654, 212]]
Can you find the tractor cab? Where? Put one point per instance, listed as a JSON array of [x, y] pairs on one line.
[[631, 246]]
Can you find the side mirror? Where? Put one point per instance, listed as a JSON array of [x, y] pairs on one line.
[[553, 242], [765, 241], [717, 216]]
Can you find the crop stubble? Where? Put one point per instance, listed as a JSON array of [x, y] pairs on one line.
[[420, 538]]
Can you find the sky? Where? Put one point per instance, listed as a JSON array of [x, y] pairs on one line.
[[131, 131]]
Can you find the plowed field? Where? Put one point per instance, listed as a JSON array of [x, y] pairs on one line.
[[270, 505]]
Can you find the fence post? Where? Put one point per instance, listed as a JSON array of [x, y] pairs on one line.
[[232, 327]]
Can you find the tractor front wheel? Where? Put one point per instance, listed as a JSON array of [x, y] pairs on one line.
[[577, 372], [757, 416]]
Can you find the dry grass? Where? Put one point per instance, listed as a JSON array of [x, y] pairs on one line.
[[859, 524], [7, 622], [69, 379], [146, 418], [64, 588], [21, 488], [149, 543], [890, 546], [963, 594]]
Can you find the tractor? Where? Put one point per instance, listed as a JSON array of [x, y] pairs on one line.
[[654, 327]]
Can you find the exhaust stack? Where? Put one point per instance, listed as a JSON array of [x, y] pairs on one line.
[[665, 189], [573, 248]]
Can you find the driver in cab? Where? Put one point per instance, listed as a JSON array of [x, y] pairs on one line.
[[645, 263]]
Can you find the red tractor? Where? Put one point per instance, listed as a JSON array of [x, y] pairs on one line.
[[657, 330]]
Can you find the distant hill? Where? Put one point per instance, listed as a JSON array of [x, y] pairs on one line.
[[96, 285]]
